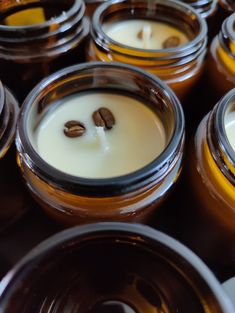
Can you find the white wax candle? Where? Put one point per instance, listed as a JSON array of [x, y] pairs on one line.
[[135, 140], [230, 128], [126, 32]]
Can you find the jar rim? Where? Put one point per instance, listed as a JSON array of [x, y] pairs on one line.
[[149, 237], [96, 27], [57, 20], [12, 112], [205, 7], [228, 27], [223, 106], [102, 186], [2, 97]]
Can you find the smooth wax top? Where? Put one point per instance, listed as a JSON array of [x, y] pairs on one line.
[[230, 128], [145, 34], [136, 138]]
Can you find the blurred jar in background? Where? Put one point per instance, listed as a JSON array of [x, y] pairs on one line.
[[39, 38], [221, 61], [13, 201], [207, 9]]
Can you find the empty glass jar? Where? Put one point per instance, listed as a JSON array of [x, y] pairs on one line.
[[137, 269]]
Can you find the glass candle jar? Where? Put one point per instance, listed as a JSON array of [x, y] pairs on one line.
[[221, 61], [205, 7], [137, 269], [212, 184], [179, 66], [128, 194], [37, 38], [12, 196]]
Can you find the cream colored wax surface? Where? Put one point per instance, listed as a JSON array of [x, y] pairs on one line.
[[230, 128], [135, 140], [126, 33]]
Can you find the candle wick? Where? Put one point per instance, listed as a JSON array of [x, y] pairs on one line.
[[147, 33], [102, 138]]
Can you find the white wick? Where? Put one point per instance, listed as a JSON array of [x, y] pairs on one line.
[[102, 138], [146, 35]]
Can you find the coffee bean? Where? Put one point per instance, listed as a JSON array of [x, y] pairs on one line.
[[171, 42], [103, 117], [74, 129]]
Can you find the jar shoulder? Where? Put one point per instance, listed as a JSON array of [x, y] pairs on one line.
[[212, 189]]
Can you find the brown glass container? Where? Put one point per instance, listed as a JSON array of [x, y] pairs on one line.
[[206, 8], [13, 202], [37, 38], [112, 267], [221, 61], [134, 196], [179, 67], [211, 183]]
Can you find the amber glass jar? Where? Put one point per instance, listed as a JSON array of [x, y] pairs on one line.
[[112, 267], [221, 61], [179, 67], [13, 201], [212, 183], [133, 196], [37, 38], [205, 7]]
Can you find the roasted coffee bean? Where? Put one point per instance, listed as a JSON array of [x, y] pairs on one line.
[[171, 42], [103, 117], [74, 129]]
